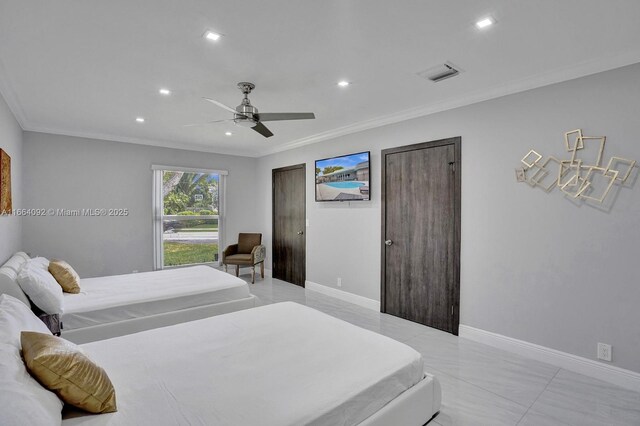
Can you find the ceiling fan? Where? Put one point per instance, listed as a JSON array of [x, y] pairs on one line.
[[246, 115]]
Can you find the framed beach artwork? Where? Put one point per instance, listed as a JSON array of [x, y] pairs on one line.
[[5, 183]]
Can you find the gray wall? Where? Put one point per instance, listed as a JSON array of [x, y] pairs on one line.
[[535, 266], [11, 143], [75, 173]]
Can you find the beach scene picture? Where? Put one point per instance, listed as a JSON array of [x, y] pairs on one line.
[[344, 178]]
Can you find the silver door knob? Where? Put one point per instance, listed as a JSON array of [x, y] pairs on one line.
[[388, 242], [300, 232]]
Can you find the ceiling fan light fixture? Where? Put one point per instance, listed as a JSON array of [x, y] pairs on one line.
[[244, 122]]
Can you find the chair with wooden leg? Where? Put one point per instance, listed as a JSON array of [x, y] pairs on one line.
[[248, 252]]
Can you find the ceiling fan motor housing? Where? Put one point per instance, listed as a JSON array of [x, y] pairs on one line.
[[245, 115], [246, 111]]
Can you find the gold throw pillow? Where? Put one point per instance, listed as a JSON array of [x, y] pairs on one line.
[[68, 279], [61, 367]]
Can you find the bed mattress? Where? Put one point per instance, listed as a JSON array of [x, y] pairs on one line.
[[282, 364], [115, 298]]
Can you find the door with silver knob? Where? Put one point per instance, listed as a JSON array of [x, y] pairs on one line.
[[420, 199], [289, 239]]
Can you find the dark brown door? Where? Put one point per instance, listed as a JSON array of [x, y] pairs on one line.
[[421, 233], [289, 218]]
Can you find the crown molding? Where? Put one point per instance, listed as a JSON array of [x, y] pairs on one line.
[[138, 141], [582, 69], [575, 71]]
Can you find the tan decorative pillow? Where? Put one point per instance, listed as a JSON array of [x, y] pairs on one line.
[[61, 367], [68, 279]]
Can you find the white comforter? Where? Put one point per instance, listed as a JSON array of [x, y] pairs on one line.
[[280, 365], [121, 297]]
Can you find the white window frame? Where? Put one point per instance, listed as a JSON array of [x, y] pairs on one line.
[[158, 211]]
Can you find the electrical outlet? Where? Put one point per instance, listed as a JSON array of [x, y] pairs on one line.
[[339, 283], [604, 352], [135, 271]]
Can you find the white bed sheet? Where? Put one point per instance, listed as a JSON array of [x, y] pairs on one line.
[[282, 364], [114, 298]]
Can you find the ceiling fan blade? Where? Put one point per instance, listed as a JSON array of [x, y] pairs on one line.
[[208, 122], [262, 129], [277, 116], [221, 105]]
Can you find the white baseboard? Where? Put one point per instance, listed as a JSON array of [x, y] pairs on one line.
[[343, 295], [618, 376]]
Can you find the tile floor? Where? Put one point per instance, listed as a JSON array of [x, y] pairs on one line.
[[482, 385]]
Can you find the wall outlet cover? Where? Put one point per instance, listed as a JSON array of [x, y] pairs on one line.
[[604, 352]]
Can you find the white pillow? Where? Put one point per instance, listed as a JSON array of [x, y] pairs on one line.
[[40, 262], [43, 290], [23, 255], [24, 401], [9, 283], [15, 317], [15, 263]]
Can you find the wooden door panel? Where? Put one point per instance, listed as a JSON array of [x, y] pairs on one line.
[[289, 257], [419, 217]]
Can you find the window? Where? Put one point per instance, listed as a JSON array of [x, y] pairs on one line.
[[188, 219]]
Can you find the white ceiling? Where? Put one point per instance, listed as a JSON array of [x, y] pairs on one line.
[[89, 67]]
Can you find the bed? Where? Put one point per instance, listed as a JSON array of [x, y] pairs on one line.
[[122, 304], [281, 364]]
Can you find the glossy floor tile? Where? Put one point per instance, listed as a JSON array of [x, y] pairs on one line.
[[572, 398], [514, 377], [467, 404], [481, 385]]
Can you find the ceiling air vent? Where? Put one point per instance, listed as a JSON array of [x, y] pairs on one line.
[[439, 73]]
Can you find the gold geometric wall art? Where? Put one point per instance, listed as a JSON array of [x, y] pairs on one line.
[[589, 140], [532, 171], [578, 177], [611, 174], [531, 158], [575, 187], [622, 177], [536, 174], [573, 140], [544, 174], [567, 171]]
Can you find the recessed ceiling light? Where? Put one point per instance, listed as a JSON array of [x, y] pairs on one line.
[[483, 23], [140, 120], [228, 133], [343, 83], [210, 35], [165, 92]]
